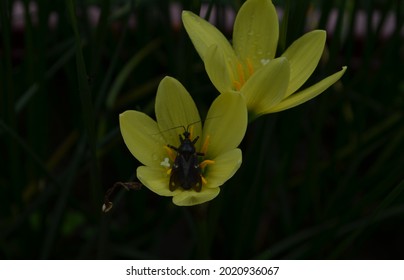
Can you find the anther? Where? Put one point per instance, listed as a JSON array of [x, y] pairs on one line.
[[237, 85], [170, 153], [203, 164], [204, 180], [250, 67], [191, 132], [205, 145], [240, 72]]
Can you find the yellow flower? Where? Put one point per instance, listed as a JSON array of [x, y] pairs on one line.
[[249, 66], [153, 143]]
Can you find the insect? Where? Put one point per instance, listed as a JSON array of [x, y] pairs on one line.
[[186, 172]]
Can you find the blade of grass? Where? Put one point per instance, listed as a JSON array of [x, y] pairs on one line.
[[258, 156], [27, 149], [294, 240], [87, 109], [7, 98], [337, 36], [137, 93], [66, 181], [209, 11], [284, 28], [297, 17], [100, 35], [127, 70], [388, 200], [33, 89], [378, 215], [114, 62]]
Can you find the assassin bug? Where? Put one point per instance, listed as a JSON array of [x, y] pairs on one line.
[[186, 172]]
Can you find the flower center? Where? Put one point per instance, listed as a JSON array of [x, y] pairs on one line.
[[244, 72]]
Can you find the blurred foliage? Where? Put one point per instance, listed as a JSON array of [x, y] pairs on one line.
[[323, 180]]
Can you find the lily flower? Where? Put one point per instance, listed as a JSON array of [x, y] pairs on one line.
[[249, 66], [167, 169]]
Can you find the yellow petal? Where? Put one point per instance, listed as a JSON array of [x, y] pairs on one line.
[[156, 180], [189, 198], [225, 124], [308, 93], [142, 137], [175, 108], [303, 56], [224, 168], [220, 69], [203, 34], [256, 32], [266, 88]]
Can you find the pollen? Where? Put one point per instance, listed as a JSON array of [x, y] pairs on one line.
[[165, 162]]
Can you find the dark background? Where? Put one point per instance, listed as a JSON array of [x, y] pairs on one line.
[[320, 181]]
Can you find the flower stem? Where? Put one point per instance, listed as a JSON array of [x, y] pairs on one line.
[[202, 239]]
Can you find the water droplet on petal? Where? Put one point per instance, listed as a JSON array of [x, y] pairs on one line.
[[264, 61]]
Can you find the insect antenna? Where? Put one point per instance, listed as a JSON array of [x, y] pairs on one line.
[[187, 128], [192, 123], [175, 127]]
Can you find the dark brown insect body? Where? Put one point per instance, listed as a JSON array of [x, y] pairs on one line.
[[186, 172]]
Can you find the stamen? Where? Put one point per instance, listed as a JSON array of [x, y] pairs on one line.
[[205, 145], [240, 72], [170, 153], [230, 70], [237, 85], [203, 164], [191, 132], [242, 76], [204, 180], [250, 67]]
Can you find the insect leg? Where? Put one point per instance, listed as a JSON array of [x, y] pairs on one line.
[[172, 147], [196, 139]]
